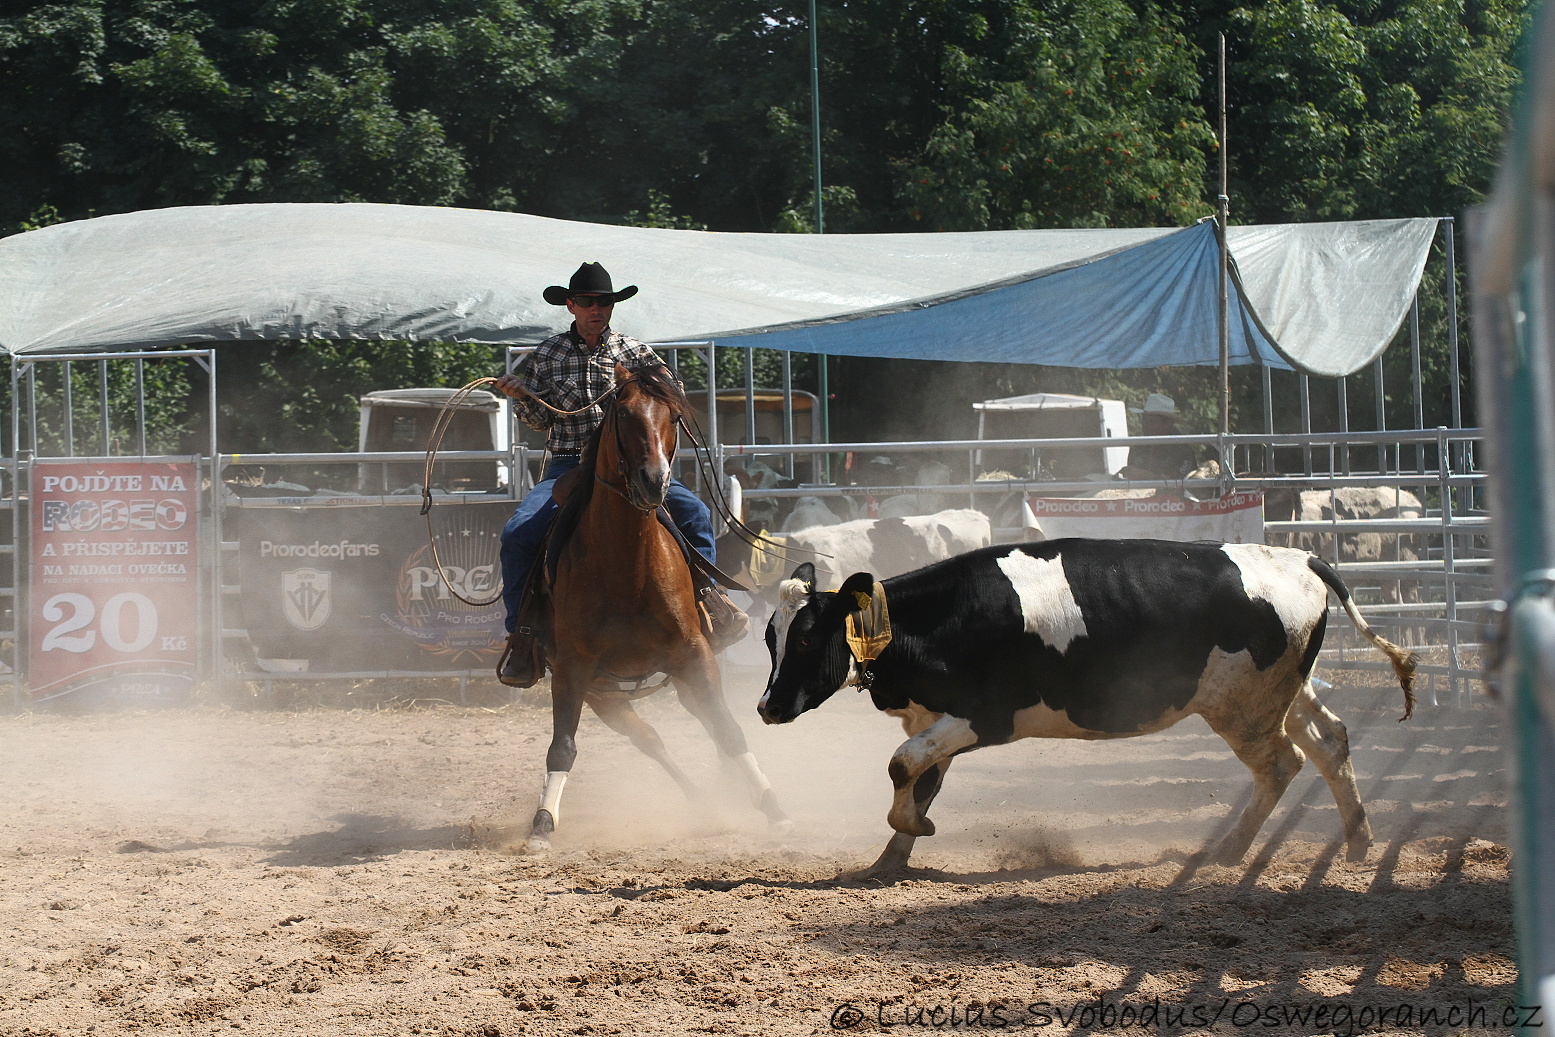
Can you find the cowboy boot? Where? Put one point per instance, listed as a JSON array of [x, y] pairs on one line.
[[523, 662], [725, 622]]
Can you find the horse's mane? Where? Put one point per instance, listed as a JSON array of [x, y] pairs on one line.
[[658, 381]]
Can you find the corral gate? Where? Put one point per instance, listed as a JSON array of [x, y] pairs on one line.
[[1447, 576]]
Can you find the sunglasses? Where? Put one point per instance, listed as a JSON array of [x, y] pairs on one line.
[[588, 302]]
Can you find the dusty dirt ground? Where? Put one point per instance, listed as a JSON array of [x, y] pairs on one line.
[[207, 870]]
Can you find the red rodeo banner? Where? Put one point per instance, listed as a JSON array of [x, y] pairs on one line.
[[114, 577]]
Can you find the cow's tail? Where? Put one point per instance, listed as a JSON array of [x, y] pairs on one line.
[[1403, 660]]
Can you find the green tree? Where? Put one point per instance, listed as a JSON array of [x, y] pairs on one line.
[[304, 396], [1366, 110], [116, 105], [1102, 128]]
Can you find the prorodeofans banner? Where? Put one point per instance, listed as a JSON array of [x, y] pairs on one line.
[[355, 589]]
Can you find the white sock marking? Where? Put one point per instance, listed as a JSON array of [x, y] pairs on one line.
[[752, 769], [551, 799]]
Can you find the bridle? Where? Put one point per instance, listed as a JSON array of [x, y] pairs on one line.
[[631, 494]]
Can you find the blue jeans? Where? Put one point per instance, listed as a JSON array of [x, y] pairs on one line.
[[525, 531]]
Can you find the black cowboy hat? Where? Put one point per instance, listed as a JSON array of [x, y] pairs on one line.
[[590, 279]]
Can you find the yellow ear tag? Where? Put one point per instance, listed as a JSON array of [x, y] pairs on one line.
[[868, 631]]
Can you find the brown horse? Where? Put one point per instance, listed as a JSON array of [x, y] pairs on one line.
[[622, 605]]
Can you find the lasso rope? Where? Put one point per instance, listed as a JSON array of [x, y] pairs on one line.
[[440, 427], [434, 442]]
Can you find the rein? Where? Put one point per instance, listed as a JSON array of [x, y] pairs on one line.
[[705, 465]]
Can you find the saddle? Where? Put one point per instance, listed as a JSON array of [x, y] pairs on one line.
[[523, 662]]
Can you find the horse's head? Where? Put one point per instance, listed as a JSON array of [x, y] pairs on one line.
[[643, 417]]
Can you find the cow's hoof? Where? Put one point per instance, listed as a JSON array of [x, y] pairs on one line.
[[781, 827], [1356, 852], [913, 824]]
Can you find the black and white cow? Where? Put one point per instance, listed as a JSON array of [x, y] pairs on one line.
[[1086, 639]]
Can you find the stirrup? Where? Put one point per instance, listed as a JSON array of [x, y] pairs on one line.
[[723, 621], [523, 660]]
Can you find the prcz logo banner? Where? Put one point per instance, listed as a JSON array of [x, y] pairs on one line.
[[115, 577], [355, 589]]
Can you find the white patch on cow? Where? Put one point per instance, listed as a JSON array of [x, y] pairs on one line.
[[1233, 692], [1280, 576], [1046, 599], [792, 595], [931, 745], [1227, 680]]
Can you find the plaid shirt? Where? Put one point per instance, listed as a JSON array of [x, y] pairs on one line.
[[567, 375]]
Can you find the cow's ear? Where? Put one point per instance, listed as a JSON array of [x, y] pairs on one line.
[[856, 590], [805, 574]]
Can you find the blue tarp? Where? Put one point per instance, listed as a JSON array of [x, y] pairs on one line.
[[1153, 305]]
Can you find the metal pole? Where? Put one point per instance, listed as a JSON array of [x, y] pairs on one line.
[[1225, 216], [815, 115], [1449, 566], [70, 414], [19, 603], [140, 404], [1381, 415], [1305, 386], [215, 537], [16, 423], [32, 407], [788, 408], [750, 399], [1342, 387], [824, 476], [102, 402], [714, 445], [1453, 370], [1455, 395], [820, 210], [1267, 377]]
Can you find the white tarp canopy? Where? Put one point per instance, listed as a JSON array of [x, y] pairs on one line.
[[1326, 297]]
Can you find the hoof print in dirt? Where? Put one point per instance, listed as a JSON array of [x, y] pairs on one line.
[[136, 846]]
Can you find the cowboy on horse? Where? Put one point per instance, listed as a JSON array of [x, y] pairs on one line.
[[561, 388]]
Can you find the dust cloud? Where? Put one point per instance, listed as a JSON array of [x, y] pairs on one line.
[[329, 870]]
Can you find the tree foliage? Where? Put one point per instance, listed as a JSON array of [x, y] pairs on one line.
[[1102, 128], [1368, 110], [937, 114]]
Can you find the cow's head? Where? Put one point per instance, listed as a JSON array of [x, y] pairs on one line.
[[809, 650]]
